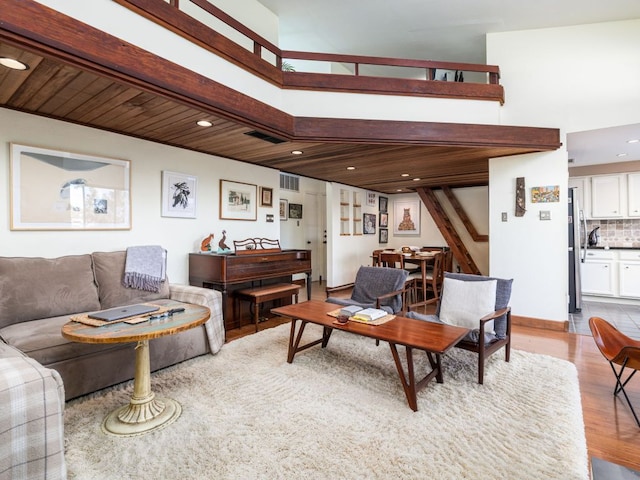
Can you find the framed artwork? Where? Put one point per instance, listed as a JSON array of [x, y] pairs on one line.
[[55, 190], [238, 201], [384, 236], [266, 197], [371, 199], [368, 223], [406, 217], [284, 209], [383, 204], [178, 195], [295, 210], [548, 194], [384, 220]]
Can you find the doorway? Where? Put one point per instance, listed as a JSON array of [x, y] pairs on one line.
[[315, 233]]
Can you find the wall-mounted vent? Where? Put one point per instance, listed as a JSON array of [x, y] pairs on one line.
[[289, 182], [264, 136]]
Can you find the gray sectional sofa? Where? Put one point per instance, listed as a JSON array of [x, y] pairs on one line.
[[37, 297]]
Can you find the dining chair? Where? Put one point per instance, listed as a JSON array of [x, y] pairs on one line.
[[396, 260], [620, 350], [434, 277], [375, 258]]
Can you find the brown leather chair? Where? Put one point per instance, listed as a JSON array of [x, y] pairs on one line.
[[618, 349]]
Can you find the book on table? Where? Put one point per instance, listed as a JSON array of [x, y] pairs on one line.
[[350, 311], [370, 314]]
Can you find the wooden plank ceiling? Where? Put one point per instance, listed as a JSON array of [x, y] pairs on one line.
[[58, 89]]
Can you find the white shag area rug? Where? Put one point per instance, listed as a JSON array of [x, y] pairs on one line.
[[341, 413]]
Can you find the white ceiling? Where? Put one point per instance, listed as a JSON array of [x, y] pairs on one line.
[[450, 30]]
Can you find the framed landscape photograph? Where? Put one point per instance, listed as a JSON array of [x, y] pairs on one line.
[[368, 223], [56, 190], [284, 209], [406, 217], [266, 197], [238, 201], [178, 195]]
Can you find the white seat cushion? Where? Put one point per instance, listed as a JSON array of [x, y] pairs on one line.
[[465, 303]]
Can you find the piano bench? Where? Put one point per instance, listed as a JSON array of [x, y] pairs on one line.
[[259, 295]]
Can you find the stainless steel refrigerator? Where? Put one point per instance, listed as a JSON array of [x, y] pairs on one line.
[[577, 249]]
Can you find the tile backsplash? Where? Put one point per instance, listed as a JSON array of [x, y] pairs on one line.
[[617, 233]]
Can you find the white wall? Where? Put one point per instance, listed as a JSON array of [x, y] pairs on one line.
[[179, 236], [575, 78]]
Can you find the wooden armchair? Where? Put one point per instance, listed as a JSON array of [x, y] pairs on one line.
[[482, 307], [374, 287]]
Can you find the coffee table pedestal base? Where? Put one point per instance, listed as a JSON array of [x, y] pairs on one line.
[[144, 412], [169, 410]]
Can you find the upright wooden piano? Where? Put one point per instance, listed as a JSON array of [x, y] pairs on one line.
[[229, 272]]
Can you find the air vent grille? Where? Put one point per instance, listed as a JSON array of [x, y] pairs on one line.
[[264, 136], [289, 182]]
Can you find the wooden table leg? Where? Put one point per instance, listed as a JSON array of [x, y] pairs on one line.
[[145, 412], [408, 380]]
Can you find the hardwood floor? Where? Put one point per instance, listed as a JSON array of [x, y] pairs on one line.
[[611, 431]]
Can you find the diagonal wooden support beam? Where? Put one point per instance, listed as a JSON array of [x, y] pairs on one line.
[[468, 224], [440, 217]]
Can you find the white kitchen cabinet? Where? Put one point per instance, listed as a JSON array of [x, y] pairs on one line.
[[598, 273], [581, 183], [607, 196], [629, 273], [633, 184]]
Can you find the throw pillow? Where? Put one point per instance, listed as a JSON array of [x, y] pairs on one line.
[[464, 303]]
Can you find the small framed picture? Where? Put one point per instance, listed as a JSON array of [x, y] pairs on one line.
[[295, 210], [371, 199], [369, 223], [284, 209], [178, 195], [382, 204], [238, 201], [266, 197], [384, 235], [384, 220]]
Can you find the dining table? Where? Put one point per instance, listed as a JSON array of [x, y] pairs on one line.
[[422, 259]]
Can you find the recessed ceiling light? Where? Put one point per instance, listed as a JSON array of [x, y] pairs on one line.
[[404, 175], [399, 190], [296, 152], [351, 168], [13, 63], [621, 155], [633, 140], [204, 123], [417, 179]]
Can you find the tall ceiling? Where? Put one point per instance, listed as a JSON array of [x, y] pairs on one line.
[[439, 30], [451, 30], [86, 93]]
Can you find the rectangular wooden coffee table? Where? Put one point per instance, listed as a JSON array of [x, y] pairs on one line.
[[432, 338]]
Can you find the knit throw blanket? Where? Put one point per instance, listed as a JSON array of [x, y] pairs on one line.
[[145, 268]]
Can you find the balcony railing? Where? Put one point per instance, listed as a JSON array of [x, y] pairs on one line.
[[208, 26]]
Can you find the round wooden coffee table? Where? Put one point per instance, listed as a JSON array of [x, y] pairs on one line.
[[145, 412]]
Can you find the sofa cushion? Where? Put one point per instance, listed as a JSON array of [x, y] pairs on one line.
[[43, 341], [32, 288], [109, 273]]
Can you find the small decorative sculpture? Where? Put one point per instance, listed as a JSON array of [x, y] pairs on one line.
[[223, 247], [205, 246]]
